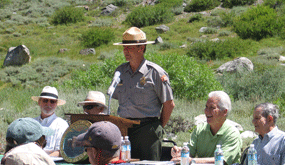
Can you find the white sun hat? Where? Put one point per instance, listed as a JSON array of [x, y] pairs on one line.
[[95, 97], [49, 92], [134, 36]]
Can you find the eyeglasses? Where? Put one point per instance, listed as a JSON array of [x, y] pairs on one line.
[[88, 107], [51, 101]]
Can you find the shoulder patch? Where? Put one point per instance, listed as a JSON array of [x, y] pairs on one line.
[[164, 78]]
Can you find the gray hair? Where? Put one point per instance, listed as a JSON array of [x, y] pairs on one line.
[[224, 100], [269, 109]]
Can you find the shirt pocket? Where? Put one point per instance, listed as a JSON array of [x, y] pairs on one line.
[[143, 94], [122, 94], [275, 160]]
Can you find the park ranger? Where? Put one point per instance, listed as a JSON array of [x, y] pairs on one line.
[[144, 94]]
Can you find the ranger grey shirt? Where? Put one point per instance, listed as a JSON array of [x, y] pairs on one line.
[[141, 94]]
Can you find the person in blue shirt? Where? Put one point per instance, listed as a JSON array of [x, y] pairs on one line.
[[270, 144]]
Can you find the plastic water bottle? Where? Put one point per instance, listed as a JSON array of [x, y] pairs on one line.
[[184, 154], [252, 155], [128, 148], [123, 149], [219, 156]]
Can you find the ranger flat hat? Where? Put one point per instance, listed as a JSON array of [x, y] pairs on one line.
[[134, 36], [49, 92]]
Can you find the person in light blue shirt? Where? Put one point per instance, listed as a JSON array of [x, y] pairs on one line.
[[270, 144]]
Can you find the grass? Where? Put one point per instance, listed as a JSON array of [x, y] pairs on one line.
[[45, 41]]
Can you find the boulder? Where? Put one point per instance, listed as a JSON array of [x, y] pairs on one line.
[[237, 65], [203, 29], [17, 56], [85, 7], [248, 134], [109, 9], [281, 58], [162, 29], [202, 119], [87, 51], [158, 40], [62, 50]]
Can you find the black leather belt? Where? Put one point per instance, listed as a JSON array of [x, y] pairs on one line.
[[147, 119]]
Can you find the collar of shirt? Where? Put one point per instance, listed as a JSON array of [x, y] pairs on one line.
[[268, 136], [142, 68], [221, 130], [47, 121]]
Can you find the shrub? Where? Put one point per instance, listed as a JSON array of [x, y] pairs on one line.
[[232, 3], [99, 22], [41, 71], [196, 17], [215, 21], [210, 50], [98, 74], [170, 3], [224, 33], [268, 85], [95, 36], [257, 23], [149, 15], [217, 11], [67, 15], [198, 80], [177, 10], [210, 30], [167, 45], [120, 3], [273, 3], [3, 3], [201, 5], [192, 80]]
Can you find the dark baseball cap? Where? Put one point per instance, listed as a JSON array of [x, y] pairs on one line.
[[103, 135], [25, 130]]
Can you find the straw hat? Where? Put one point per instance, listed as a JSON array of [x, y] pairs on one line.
[[134, 36], [49, 92], [95, 97]]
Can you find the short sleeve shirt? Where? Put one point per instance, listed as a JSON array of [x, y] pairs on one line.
[[142, 93], [59, 126], [203, 142], [271, 148]]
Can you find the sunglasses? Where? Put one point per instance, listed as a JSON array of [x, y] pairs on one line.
[[51, 101], [85, 148], [88, 107]]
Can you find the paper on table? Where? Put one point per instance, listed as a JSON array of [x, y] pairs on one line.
[[55, 158]]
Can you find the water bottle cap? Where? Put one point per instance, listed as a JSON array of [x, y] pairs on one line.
[[185, 143], [218, 146], [251, 145], [126, 137]]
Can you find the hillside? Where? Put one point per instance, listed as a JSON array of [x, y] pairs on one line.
[[191, 57]]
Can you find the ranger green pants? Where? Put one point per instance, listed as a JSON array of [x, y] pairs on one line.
[[146, 140]]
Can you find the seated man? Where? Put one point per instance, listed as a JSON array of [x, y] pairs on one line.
[[25, 139], [94, 103], [270, 145], [217, 130], [102, 141], [48, 101]]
